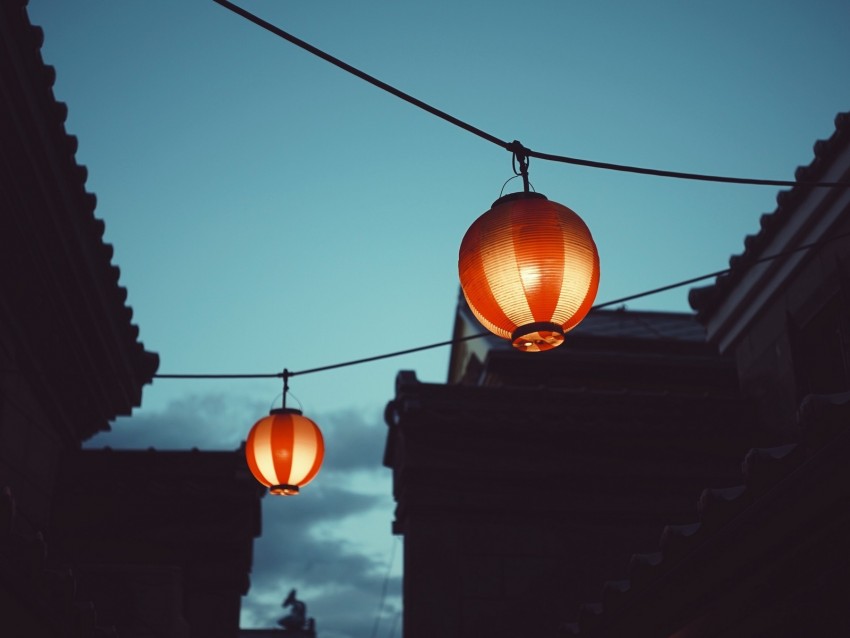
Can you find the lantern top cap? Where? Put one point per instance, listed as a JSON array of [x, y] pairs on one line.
[[511, 197], [274, 411]]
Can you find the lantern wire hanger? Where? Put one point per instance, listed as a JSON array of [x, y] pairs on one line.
[[519, 156], [286, 376], [306, 46], [519, 162]]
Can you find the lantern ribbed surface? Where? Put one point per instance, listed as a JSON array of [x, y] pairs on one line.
[[284, 451], [529, 270]]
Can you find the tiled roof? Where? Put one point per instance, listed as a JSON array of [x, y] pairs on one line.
[[618, 323], [47, 190], [773, 480], [707, 298], [676, 326], [609, 348], [89, 226], [598, 409]]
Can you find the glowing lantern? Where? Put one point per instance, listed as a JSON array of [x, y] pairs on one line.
[[529, 270], [285, 451]]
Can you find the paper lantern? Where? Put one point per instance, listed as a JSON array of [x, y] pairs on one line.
[[529, 270], [285, 451]]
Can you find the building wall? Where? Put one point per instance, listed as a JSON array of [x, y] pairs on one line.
[[517, 503], [509, 575], [30, 446], [776, 362], [160, 537]]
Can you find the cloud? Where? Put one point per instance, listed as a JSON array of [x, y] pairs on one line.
[[215, 421], [341, 586], [353, 441], [219, 421], [332, 542]]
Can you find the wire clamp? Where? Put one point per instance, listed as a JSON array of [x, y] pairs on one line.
[[520, 157]]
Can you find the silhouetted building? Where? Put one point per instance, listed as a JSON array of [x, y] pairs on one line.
[[92, 543], [603, 482], [528, 479], [160, 541]]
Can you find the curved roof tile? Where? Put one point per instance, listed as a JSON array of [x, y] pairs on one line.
[[74, 217], [704, 300]]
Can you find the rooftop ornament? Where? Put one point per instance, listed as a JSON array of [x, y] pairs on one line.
[[529, 268], [285, 449]]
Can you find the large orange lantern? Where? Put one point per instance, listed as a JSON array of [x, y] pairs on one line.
[[529, 270], [285, 451]]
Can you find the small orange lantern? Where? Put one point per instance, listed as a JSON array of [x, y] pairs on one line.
[[285, 451], [529, 270]]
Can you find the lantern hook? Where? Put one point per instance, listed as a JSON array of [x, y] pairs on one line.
[[286, 374], [520, 157]]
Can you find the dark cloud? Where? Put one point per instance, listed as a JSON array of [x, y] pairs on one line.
[[306, 545], [331, 542], [353, 440], [341, 587], [316, 504], [211, 422]]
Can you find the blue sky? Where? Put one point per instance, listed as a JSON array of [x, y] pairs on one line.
[[270, 211]]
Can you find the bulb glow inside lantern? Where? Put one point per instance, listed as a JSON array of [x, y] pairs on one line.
[[529, 270], [284, 451]]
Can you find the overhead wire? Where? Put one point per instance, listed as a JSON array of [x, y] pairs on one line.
[[519, 151], [327, 57], [395, 623], [720, 273], [344, 364], [383, 599], [514, 146], [439, 344]]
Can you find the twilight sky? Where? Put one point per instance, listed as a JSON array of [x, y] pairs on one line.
[[269, 211]]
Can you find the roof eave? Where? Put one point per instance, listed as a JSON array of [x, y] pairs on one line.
[[819, 211]]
